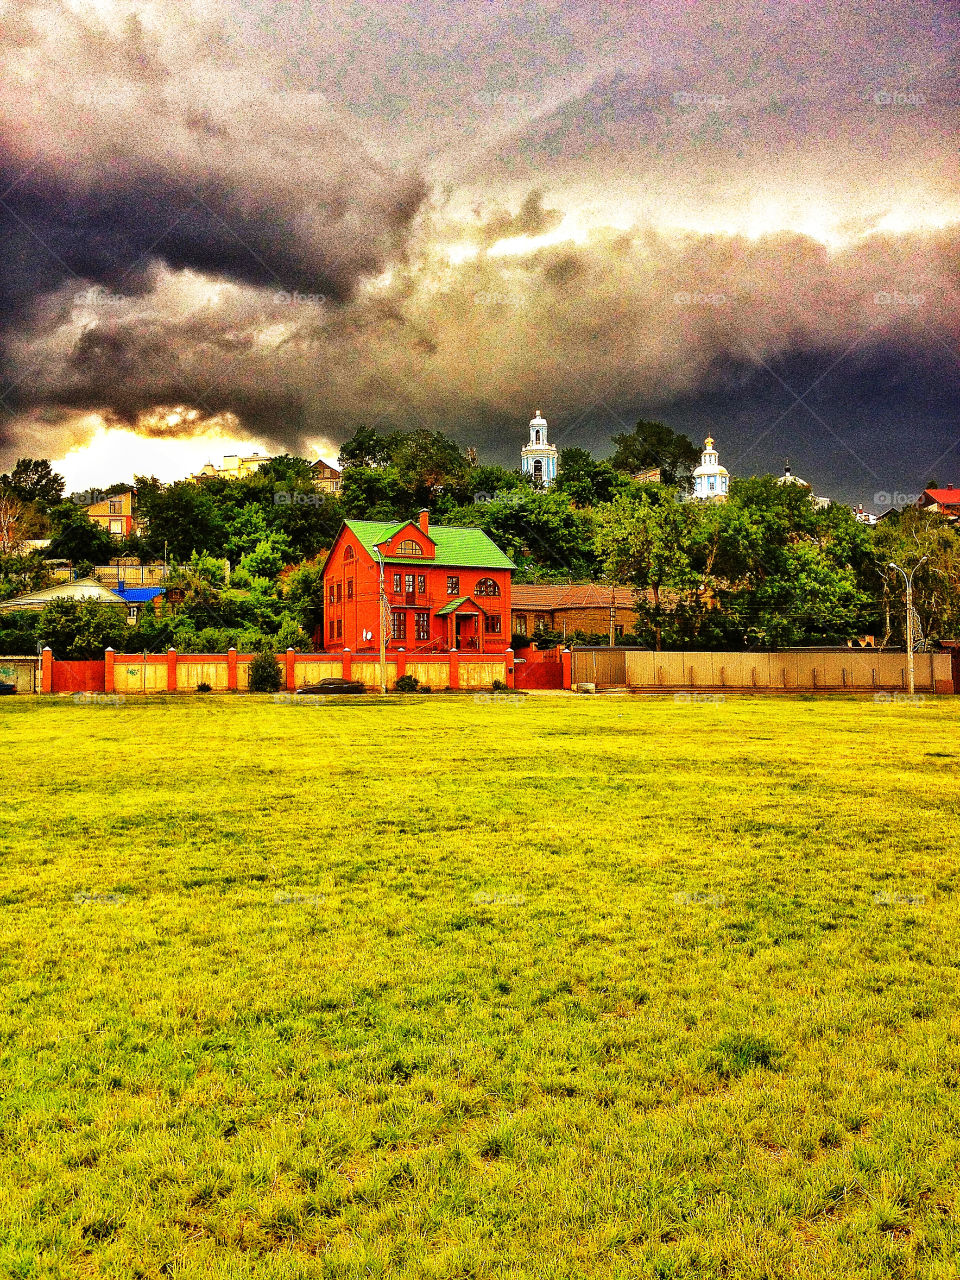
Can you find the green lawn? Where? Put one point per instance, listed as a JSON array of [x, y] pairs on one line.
[[566, 987]]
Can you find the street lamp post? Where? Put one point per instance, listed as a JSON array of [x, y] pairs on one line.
[[383, 625], [908, 579]]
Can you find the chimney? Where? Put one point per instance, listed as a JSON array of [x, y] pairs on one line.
[[425, 521]]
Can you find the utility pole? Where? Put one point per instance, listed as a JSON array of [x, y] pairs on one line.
[[384, 619], [909, 584]]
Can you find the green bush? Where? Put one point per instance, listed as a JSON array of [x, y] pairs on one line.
[[407, 684], [203, 687], [265, 673], [498, 686]]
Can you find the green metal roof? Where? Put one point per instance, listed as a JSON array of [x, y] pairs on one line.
[[456, 548], [452, 605]]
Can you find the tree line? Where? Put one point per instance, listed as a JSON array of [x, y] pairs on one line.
[[767, 568]]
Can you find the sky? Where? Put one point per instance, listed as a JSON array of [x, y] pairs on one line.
[[246, 225]]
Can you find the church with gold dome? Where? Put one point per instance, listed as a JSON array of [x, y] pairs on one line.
[[711, 481]]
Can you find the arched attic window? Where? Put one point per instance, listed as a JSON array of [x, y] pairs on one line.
[[409, 548], [348, 553], [487, 587]]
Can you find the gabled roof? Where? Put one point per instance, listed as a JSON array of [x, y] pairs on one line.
[[945, 497], [81, 589], [453, 605], [456, 548]]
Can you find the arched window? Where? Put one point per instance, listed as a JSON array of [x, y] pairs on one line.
[[409, 548], [348, 553], [537, 469], [538, 437], [486, 587]]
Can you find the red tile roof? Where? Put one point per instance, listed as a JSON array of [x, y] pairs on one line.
[[945, 497], [588, 595]]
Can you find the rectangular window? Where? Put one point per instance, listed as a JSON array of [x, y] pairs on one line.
[[331, 628], [339, 593], [349, 588], [398, 625], [331, 593], [539, 621], [397, 582], [408, 582], [422, 583], [422, 621], [339, 629], [116, 507], [521, 624], [453, 586], [116, 526], [491, 623]]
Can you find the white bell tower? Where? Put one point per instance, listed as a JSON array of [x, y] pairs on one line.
[[538, 458]]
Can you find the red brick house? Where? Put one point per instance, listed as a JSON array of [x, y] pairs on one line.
[[444, 588], [574, 607]]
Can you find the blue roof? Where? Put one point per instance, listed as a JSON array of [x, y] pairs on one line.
[[139, 595]]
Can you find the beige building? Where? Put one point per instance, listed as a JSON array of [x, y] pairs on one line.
[[115, 514], [235, 467]]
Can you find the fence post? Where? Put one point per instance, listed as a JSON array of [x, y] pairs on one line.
[[171, 671], [508, 669], [401, 663], [46, 670], [347, 664], [232, 669], [566, 662], [453, 678], [108, 657], [291, 668]]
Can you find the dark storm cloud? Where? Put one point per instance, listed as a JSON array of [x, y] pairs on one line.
[[239, 187]]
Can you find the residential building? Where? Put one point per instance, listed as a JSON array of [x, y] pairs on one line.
[[539, 458], [115, 514], [946, 501], [235, 467], [711, 481], [571, 607], [326, 478], [442, 588], [139, 600], [81, 589]]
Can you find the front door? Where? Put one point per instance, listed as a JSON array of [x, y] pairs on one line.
[[467, 634]]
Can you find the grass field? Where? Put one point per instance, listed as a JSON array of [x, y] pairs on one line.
[[426, 987]]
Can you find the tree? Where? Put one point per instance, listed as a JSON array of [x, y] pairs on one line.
[[653, 444], [304, 596], [11, 522], [78, 538], [587, 481], [185, 517], [650, 546], [76, 629], [34, 480], [265, 673], [366, 448], [905, 540]]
